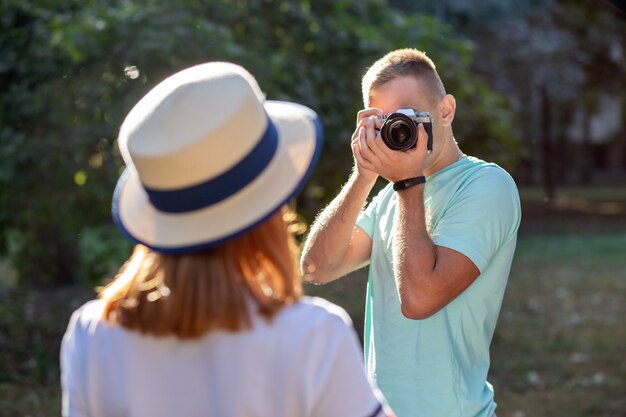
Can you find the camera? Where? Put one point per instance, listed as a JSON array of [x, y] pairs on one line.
[[399, 129]]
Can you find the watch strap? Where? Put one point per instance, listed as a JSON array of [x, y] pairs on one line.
[[409, 182]]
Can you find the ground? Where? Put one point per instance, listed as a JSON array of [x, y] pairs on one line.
[[560, 341]]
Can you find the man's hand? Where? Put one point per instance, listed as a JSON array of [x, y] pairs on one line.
[[362, 167], [372, 155]]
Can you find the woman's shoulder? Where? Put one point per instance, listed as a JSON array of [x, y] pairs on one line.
[[87, 317], [320, 307], [315, 312], [89, 311]]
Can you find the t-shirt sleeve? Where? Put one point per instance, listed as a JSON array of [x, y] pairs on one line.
[[340, 385], [73, 367], [484, 215], [367, 217]]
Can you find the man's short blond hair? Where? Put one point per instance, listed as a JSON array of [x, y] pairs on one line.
[[403, 62]]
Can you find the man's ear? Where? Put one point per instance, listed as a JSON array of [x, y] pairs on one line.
[[447, 107]]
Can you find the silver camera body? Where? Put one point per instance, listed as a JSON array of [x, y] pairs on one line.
[[399, 129]]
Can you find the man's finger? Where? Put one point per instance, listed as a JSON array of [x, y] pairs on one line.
[[365, 148], [371, 132], [422, 137], [362, 114], [375, 141], [356, 150]]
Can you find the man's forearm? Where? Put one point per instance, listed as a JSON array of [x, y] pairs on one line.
[[328, 242], [428, 277], [413, 252]]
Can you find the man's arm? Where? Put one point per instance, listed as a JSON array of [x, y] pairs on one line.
[[428, 277], [336, 246]]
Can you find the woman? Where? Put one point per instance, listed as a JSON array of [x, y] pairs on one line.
[[207, 317]]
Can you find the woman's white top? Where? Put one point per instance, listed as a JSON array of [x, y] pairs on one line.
[[306, 362]]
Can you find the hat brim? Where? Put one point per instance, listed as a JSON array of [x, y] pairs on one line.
[[299, 146]]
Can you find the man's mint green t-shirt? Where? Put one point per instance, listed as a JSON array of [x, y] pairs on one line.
[[437, 367]]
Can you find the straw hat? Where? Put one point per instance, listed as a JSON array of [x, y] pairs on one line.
[[209, 159]]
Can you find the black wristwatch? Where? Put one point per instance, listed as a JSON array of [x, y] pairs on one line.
[[409, 182]]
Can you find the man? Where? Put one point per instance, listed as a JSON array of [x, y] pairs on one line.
[[439, 252]]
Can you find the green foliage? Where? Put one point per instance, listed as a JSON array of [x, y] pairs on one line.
[[103, 249], [557, 65], [71, 70]]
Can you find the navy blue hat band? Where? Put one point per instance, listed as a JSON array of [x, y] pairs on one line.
[[223, 186]]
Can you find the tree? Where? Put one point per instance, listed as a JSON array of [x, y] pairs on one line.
[[552, 62], [71, 70]]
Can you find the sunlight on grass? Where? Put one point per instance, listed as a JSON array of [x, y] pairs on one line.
[[561, 330], [615, 192]]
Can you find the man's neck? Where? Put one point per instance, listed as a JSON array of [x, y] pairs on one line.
[[450, 153]]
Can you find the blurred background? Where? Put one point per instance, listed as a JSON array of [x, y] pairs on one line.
[[540, 90]]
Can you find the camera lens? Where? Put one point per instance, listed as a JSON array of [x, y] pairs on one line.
[[398, 132]]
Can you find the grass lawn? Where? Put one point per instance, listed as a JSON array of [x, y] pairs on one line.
[[559, 348], [560, 343]]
